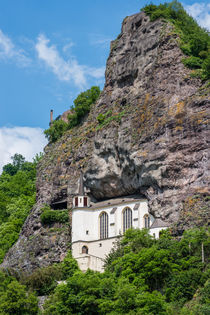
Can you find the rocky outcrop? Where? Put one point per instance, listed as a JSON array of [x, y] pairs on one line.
[[147, 133]]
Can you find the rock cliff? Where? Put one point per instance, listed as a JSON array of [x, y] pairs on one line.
[[146, 134]]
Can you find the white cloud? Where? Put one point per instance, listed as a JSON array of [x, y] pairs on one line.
[[8, 51], [201, 12], [65, 70], [23, 140], [99, 40], [68, 46]]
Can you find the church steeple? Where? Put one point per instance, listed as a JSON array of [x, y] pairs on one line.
[[81, 200]]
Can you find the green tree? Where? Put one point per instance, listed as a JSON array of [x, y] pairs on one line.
[[82, 105], [56, 130], [16, 300], [17, 196]]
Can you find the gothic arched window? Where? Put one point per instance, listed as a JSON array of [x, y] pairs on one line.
[[84, 249], [103, 221], [146, 221], [127, 219]]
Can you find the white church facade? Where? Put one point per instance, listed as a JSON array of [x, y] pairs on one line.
[[97, 226]]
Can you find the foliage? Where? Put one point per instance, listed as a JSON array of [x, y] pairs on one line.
[[195, 41], [12, 168], [82, 105], [14, 298], [142, 276], [56, 130], [44, 280], [192, 62], [49, 216], [17, 196], [105, 119]]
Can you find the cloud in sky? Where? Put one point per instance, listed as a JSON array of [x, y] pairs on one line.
[[23, 140], [201, 12], [99, 40], [8, 51], [65, 70]]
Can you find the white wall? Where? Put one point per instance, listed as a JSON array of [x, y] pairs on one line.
[[156, 231], [85, 231], [85, 221], [97, 251]]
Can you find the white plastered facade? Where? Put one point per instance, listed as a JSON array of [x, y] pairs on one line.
[[86, 229]]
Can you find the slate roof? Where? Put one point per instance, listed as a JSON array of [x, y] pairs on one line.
[[117, 201], [158, 223]]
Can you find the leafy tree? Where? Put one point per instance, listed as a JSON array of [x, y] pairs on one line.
[[82, 105], [15, 300], [56, 130], [13, 168], [17, 196]]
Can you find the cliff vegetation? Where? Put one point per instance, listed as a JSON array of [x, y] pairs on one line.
[[194, 40], [142, 275]]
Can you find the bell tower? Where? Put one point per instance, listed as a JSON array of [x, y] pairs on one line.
[[81, 200]]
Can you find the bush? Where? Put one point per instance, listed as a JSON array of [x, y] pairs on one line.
[[44, 280], [52, 216], [56, 130], [82, 105], [192, 62], [206, 67]]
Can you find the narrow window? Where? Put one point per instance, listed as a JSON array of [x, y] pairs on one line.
[[85, 201], [146, 221], [84, 249], [76, 202], [103, 219], [127, 219]]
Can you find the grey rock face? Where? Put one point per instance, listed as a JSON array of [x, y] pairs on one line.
[[153, 140]]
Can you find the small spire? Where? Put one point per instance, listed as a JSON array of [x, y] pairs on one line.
[[81, 185]]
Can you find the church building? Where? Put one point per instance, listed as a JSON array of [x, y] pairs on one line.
[[97, 226]]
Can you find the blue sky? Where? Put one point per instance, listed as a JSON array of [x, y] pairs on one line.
[[50, 51]]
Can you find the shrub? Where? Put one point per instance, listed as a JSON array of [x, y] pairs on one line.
[[105, 119], [56, 130], [82, 105], [52, 216], [43, 280], [192, 62], [206, 67]]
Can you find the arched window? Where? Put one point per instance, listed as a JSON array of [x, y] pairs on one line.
[[104, 221], [146, 221], [84, 249], [127, 219]]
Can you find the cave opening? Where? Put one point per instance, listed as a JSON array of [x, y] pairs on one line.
[[59, 205]]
